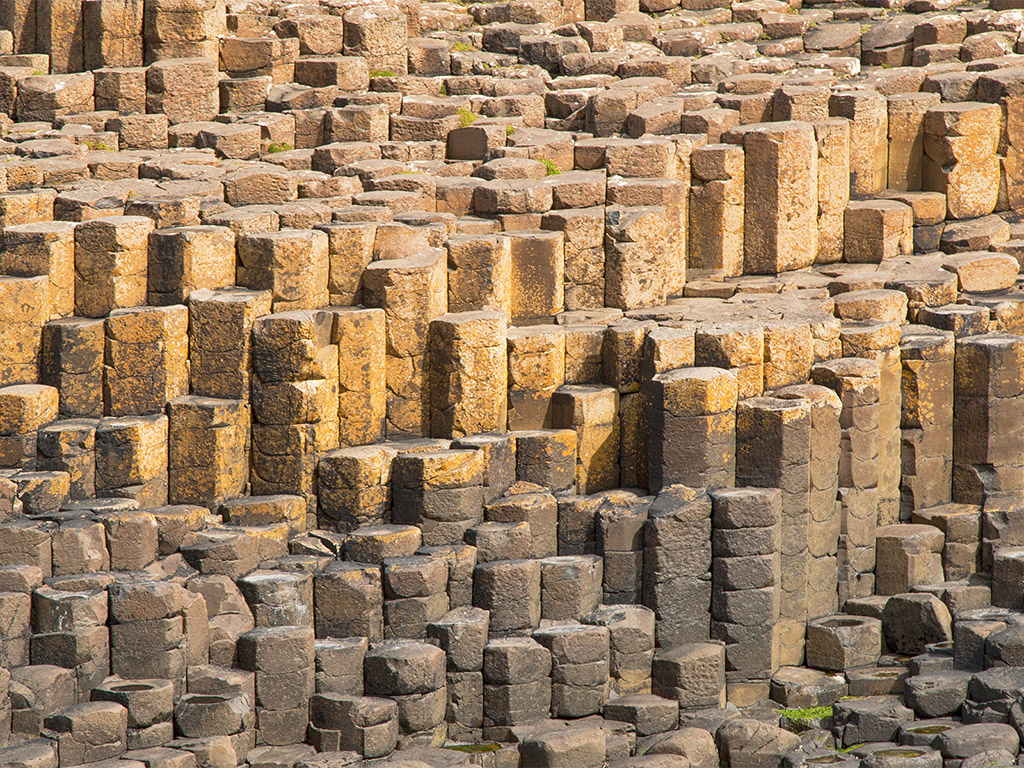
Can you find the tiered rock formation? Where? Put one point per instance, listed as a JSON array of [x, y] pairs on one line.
[[581, 380]]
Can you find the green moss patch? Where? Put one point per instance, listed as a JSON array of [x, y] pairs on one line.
[[475, 749], [810, 713]]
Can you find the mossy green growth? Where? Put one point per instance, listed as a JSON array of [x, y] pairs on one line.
[[509, 130], [475, 749], [98, 146], [443, 90], [466, 117], [553, 169], [810, 713], [284, 146], [930, 730], [461, 46], [382, 73], [850, 748]]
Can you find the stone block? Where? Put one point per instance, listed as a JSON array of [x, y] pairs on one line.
[[691, 415], [536, 368], [293, 265], [136, 381], [111, 260], [44, 249], [220, 346], [468, 373], [692, 674], [186, 259], [208, 450], [25, 308]]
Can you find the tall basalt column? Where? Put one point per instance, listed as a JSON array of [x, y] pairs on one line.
[[292, 264], [823, 528], [536, 368], [856, 381], [636, 269], [716, 209], [360, 335], [677, 565], [622, 352], [282, 662], [880, 342], [536, 275], [412, 292], [737, 346], [780, 217], [773, 450], [480, 272], [354, 487], [72, 361], [927, 425], [19, 16], [69, 445], [294, 401], [988, 410], [183, 260], [24, 308], [868, 113], [833, 137], [147, 632], [439, 491], [746, 587], [60, 34], [24, 409], [671, 194], [906, 113], [83, 649], [593, 412], [111, 263], [131, 459], [112, 33], [583, 229]]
